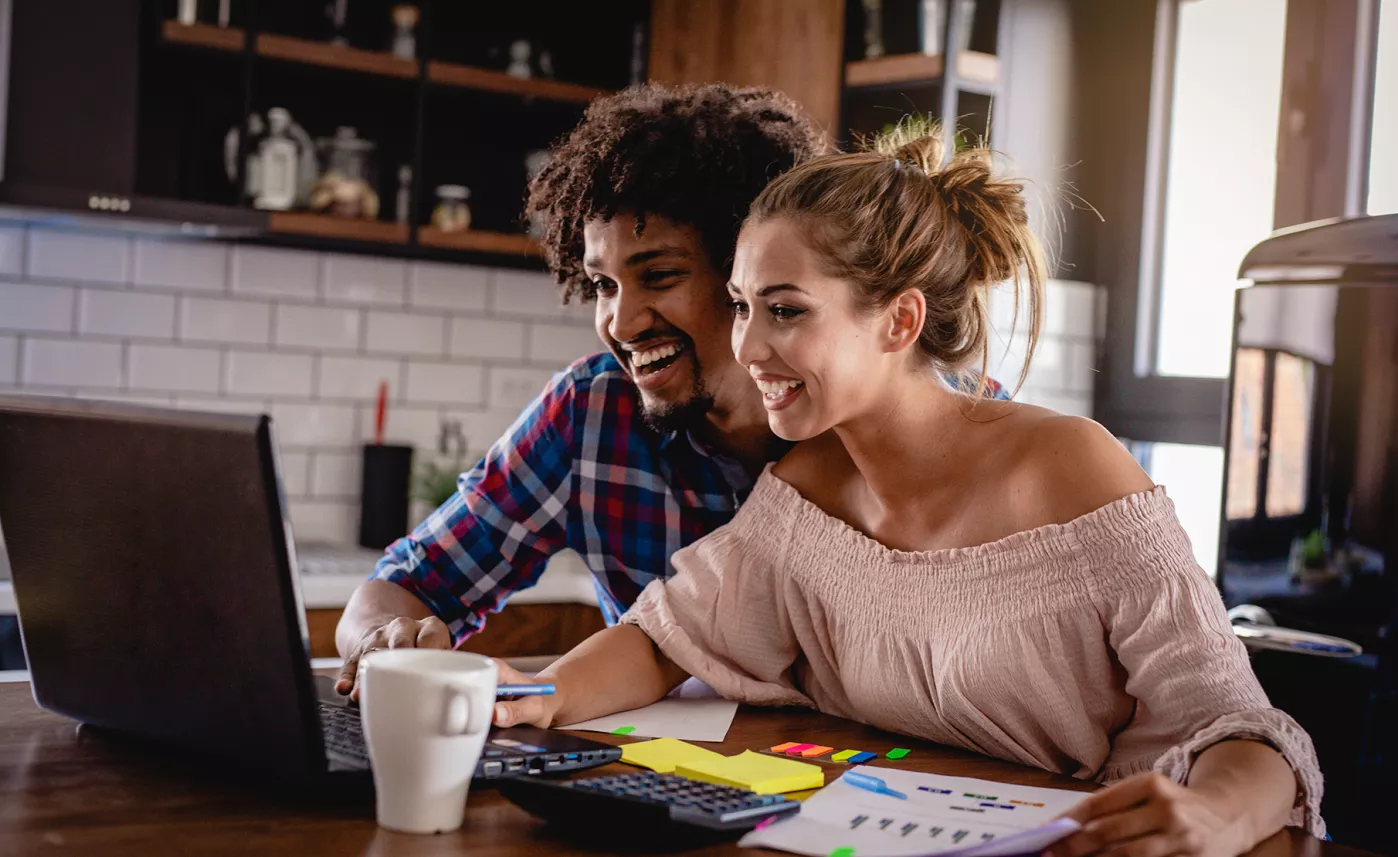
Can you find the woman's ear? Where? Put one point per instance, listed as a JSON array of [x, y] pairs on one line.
[[903, 319]]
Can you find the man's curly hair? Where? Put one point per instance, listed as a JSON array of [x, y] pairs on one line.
[[697, 155]]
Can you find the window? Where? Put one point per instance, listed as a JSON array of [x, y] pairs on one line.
[[1221, 178], [1383, 162]]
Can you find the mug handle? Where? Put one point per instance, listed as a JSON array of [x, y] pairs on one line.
[[462, 713]]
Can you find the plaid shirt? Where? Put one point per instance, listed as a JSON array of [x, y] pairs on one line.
[[578, 469]]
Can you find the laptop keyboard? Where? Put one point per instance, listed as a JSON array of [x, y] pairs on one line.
[[344, 736]]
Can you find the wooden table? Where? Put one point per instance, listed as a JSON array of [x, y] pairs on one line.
[[65, 790]]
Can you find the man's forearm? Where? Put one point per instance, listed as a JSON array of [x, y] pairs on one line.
[[616, 669], [373, 604]]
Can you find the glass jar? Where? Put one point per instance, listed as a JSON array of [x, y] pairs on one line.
[[452, 214]]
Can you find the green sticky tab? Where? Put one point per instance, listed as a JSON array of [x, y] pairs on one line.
[[627, 730], [842, 852], [843, 755], [897, 753]]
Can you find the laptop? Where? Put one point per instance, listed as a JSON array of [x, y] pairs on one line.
[[155, 574]]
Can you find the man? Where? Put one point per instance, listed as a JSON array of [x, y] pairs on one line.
[[636, 452], [631, 454]]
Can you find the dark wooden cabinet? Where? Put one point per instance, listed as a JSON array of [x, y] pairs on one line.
[[116, 109]]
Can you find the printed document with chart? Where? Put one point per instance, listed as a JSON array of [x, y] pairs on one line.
[[940, 815]]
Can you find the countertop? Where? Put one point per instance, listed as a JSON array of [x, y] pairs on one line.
[[329, 573]]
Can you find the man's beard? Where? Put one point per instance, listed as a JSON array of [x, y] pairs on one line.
[[664, 418]]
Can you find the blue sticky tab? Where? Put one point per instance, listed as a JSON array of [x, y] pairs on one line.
[[859, 758]]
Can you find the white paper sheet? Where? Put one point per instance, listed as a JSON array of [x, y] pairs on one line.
[[686, 719], [941, 815]]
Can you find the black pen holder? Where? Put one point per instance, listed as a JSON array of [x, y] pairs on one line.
[[383, 496]]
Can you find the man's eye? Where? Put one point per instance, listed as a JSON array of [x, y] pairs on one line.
[[737, 307], [601, 286], [654, 278]]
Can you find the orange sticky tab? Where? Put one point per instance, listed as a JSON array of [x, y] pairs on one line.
[[782, 748], [816, 750]]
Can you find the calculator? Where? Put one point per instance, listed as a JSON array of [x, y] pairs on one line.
[[646, 804]]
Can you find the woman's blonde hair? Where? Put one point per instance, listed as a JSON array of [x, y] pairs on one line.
[[894, 217]]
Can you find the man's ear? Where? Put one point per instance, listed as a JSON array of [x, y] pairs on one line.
[[903, 320]]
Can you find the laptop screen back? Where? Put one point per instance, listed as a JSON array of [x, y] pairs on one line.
[[151, 567]]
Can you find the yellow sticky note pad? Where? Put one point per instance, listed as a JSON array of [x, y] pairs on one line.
[[663, 754], [768, 775]]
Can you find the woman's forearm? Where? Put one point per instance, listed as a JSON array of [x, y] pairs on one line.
[[616, 669], [1252, 780]]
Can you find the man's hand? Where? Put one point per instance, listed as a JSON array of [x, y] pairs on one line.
[[1150, 816], [527, 710], [400, 633]]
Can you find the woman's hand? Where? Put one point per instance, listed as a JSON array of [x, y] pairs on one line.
[[1150, 816], [527, 710]]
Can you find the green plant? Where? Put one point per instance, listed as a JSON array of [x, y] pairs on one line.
[[435, 483]]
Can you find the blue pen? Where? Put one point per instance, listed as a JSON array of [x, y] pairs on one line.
[[524, 690], [871, 784]]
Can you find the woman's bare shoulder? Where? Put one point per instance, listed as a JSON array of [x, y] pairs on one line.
[[815, 464], [1071, 465]]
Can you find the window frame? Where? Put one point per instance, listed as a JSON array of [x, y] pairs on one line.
[[1322, 171]]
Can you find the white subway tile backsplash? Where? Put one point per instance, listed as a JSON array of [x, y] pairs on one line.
[[121, 313], [401, 333], [335, 474], [191, 265], [433, 285], [487, 337], [244, 407], [1050, 366], [174, 368], [324, 521], [320, 425], [275, 273], [1070, 308], [9, 360], [447, 383], [41, 308], [359, 378], [11, 250], [295, 469], [415, 427], [1082, 367], [515, 388], [363, 280], [482, 428], [72, 363], [526, 293], [256, 373], [556, 343], [61, 255], [318, 326], [219, 320]]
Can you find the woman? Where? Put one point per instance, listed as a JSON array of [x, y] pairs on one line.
[[989, 575]]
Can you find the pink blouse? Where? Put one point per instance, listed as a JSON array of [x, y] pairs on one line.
[[1096, 648]]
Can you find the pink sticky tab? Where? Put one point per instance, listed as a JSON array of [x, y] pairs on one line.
[[797, 749], [782, 748]]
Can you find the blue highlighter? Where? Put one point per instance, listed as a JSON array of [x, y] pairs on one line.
[[870, 784], [524, 690]]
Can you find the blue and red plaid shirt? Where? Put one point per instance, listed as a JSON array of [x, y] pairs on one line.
[[578, 469]]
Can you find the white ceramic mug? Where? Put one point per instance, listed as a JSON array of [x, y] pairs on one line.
[[426, 713]]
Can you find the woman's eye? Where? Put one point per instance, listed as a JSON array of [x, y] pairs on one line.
[[602, 286], [737, 307], [785, 313]]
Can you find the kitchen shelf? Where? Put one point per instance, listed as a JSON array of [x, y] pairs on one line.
[[971, 67], [327, 55], [478, 241], [341, 228], [204, 36], [470, 77]]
